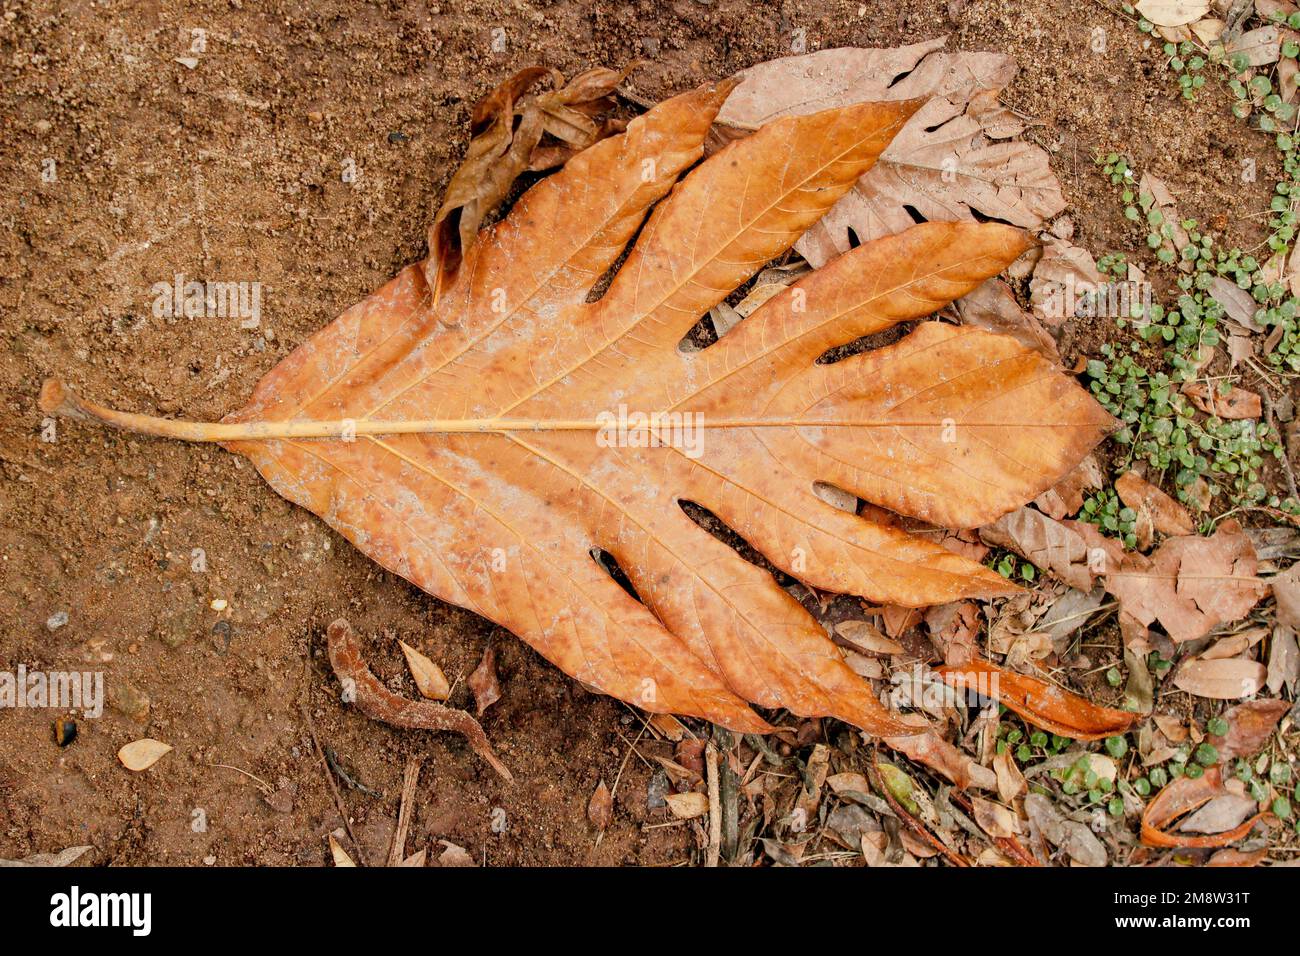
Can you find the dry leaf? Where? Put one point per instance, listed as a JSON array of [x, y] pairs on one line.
[[995, 819], [1237, 403], [489, 458], [1071, 836], [1250, 725], [415, 859], [993, 307], [1283, 660], [1048, 544], [453, 855], [1227, 679], [1180, 797], [1258, 47], [1044, 705], [142, 754], [866, 638], [429, 678], [1172, 13], [1011, 782], [1224, 812], [1286, 592], [937, 754], [600, 808], [1190, 584], [483, 682], [339, 855], [1064, 283], [687, 806], [64, 857], [1167, 515], [1065, 498], [952, 160]]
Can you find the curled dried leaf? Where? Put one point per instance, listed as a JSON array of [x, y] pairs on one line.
[[1042, 704], [1180, 798]]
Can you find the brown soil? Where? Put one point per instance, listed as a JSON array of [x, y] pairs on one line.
[[231, 171]]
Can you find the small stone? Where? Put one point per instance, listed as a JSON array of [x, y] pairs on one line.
[[397, 137], [650, 45], [65, 731], [315, 117], [43, 126], [189, 62], [126, 698], [209, 860], [657, 791], [219, 604], [56, 620]]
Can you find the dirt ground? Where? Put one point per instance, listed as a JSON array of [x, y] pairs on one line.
[[231, 170]]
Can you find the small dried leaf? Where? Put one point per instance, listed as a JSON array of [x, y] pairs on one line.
[[1237, 403], [1249, 727], [483, 681], [339, 854], [142, 754], [600, 808], [1167, 515], [687, 806], [429, 678], [1172, 13]]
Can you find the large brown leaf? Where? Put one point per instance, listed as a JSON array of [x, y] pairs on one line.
[[461, 443]]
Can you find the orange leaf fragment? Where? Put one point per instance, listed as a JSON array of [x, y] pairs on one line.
[[1042, 704]]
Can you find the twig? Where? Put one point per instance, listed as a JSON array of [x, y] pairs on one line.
[[410, 777], [715, 806], [262, 785], [332, 758], [334, 787]]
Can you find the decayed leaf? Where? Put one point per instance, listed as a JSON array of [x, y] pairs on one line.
[[453, 855], [953, 158], [1011, 782], [1071, 836], [1047, 543], [473, 444], [1190, 584], [1224, 679], [1237, 403], [1167, 515], [1224, 812], [429, 678], [1181, 797], [995, 819], [1258, 47], [1172, 13], [142, 754], [501, 149], [1042, 704], [1249, 727], [339, 855]]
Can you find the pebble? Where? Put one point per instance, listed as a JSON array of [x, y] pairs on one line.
[[219, 604], [657, 790], [56, 620], [126, 698], [43, 126]]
